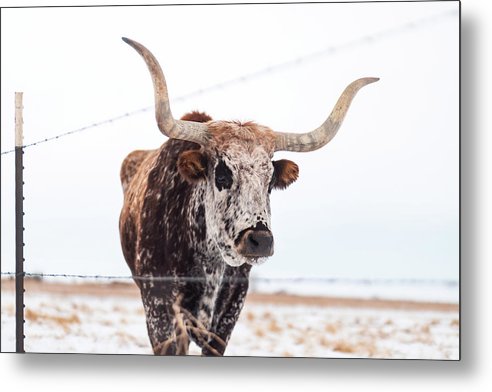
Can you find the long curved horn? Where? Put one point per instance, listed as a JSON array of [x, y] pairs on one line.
[[305, 142], [176, 129]]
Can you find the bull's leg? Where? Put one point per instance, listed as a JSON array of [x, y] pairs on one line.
[[228, 307], [165, 326]]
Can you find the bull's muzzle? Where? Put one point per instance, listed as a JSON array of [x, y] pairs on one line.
[[255, 242]]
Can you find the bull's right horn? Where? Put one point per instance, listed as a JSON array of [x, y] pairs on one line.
[[176, 129], [305, 142]]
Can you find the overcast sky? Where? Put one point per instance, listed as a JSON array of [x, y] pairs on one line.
[[380, 201]]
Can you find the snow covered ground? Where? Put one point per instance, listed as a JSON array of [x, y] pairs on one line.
[[88, 323], [393, 289]]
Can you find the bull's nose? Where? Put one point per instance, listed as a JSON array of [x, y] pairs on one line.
[[257, 243]]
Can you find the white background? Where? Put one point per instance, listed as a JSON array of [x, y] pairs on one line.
[[472, 373], [379, 202]]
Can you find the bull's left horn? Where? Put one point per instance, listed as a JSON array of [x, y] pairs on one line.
[[176, 129], [305, 142]]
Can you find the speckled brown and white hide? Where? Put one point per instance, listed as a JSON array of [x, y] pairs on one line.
[[182, 217]]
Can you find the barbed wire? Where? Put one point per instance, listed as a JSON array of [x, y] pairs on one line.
[[298, 61], [226, 279], [93, 125]]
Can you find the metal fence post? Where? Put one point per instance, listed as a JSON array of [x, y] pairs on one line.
[[19, 227]]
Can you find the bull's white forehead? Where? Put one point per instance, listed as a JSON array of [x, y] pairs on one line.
[[229, 136], [248, 160]]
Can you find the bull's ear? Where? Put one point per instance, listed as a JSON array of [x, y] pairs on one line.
[[285, 172], [192, 165]]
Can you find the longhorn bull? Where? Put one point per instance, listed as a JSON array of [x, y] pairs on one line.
[[196, 215]]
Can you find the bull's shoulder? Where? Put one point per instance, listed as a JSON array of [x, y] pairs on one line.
[[131, 164], [155, 209]]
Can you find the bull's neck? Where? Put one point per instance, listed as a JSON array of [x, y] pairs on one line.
[[205, 241]]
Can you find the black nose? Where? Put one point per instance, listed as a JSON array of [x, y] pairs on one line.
[[257, 243]]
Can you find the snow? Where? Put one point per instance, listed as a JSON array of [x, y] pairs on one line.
[[392, 289], [116, 325]]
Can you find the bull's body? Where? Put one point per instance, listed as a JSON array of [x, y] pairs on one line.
[[163, 234]]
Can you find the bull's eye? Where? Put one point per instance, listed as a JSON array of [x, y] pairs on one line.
[[223, 176]]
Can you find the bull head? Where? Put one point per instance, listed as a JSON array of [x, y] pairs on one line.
[[233, 167]]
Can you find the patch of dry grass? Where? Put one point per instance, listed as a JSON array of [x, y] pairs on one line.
[[118, 309], [383, 335], [82, 308], [344, 347], [331, 328], [365, 347], [126, 338], [63, 321], [424, 339], [323, 341], [267, 315], [250, 316], [274, 327], [8, 309]]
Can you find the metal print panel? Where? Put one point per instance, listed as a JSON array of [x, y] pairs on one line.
[[269, 180]]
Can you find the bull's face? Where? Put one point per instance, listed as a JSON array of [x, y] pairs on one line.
[[237, 178]]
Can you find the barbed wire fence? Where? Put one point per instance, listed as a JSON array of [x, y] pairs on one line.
[[331, 50], [20, 274], [259, 279]]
